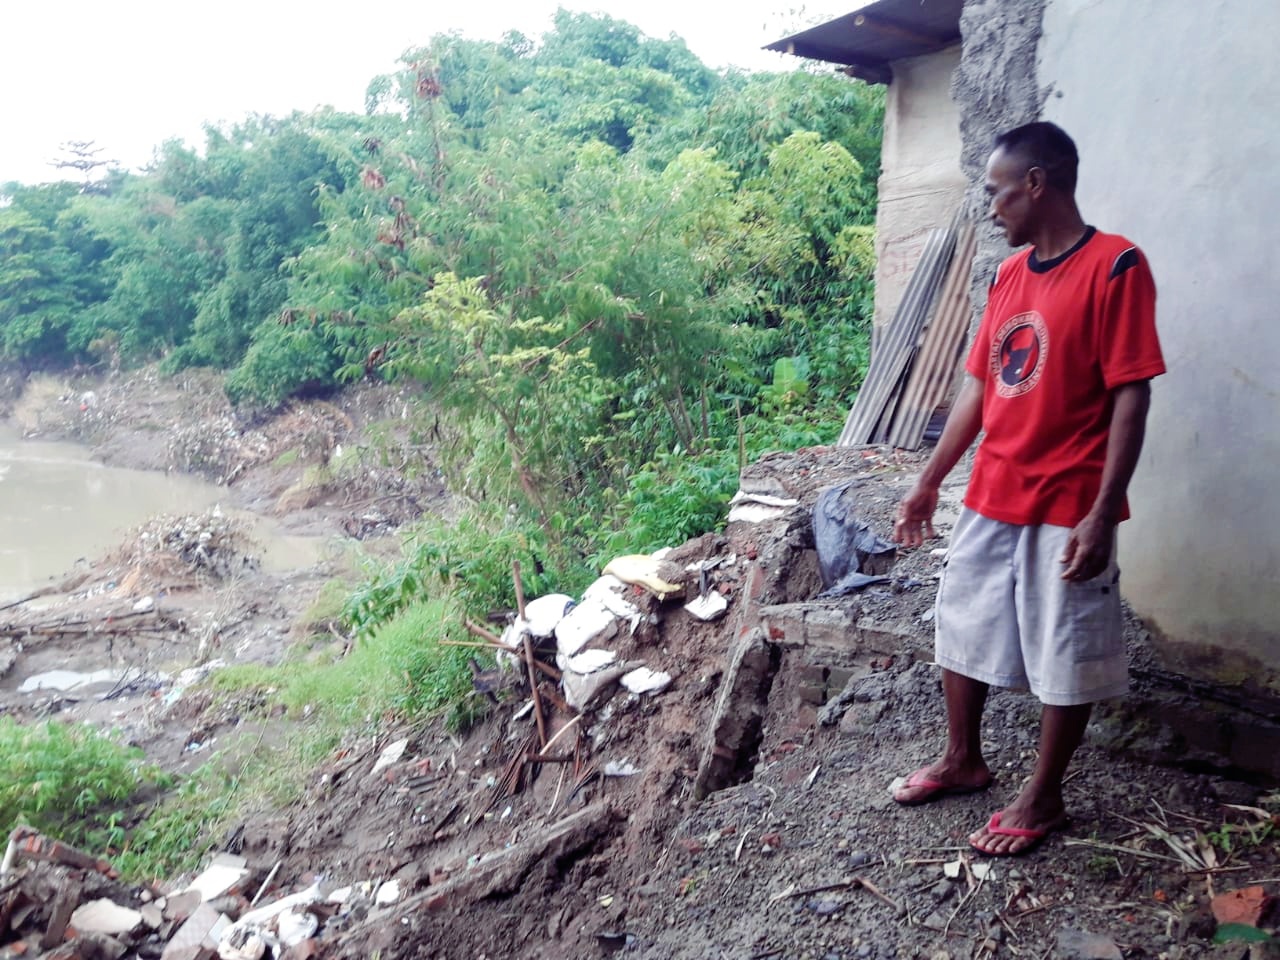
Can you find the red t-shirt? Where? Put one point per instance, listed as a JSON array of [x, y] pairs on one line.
[[1056, 338]]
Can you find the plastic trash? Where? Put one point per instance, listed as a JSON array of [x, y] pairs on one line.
[[850, 555]]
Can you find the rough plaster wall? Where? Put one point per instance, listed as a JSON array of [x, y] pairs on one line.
[[1172, 103], [921, 183], [995, 87]]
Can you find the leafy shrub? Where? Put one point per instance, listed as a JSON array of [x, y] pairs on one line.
[[68, 781]]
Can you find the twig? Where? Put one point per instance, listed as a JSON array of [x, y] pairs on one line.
[[266, 883], [515, 573], [1132, 851]]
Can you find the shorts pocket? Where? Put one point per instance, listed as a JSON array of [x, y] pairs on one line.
[[1093, 617]]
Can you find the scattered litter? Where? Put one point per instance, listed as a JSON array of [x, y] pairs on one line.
[[644, 680], [294, 925], [620, 768], [850, 555], [758, 507]]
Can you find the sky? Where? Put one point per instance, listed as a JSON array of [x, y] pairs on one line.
[[130, 74]]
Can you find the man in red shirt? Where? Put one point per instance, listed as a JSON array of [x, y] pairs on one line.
[[1057, 380]]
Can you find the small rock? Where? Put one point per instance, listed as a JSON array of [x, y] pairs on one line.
[[1083, 945], [825, 907]]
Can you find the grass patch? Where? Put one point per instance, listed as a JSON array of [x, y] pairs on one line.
[[287, 459]]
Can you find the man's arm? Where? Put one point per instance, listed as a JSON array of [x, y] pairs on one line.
[[1088, 549], [915, 512]]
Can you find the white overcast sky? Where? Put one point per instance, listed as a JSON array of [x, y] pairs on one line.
[[129, 74]]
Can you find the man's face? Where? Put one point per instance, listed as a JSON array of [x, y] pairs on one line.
[[1009, 189]]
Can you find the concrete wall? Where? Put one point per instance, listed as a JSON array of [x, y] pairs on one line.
[[1172, 104], [921, 183]]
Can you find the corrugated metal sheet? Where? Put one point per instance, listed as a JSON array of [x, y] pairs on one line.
[[873, 36], [934, 368], [868, 420]]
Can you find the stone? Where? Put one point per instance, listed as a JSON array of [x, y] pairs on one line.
[[105, 916], [1083, 945], [179, 906]]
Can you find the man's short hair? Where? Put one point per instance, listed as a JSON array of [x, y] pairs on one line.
[[1047, 146]]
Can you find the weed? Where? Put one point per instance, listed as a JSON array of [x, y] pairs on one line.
[[68, 781]]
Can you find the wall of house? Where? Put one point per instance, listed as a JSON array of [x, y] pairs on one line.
[[921, 184], [1171, 103]]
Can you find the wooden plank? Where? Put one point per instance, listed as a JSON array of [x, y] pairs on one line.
[[933, 370], [891, 358]]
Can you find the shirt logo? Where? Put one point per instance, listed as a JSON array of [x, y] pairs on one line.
[[1018, 353]]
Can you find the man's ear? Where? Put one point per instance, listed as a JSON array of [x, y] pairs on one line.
[[1037, 181]]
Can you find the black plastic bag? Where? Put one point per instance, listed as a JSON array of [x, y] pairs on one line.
[[850, 555]]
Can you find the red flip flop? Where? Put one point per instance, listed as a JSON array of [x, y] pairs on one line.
[[1035, 835], [934, 789]]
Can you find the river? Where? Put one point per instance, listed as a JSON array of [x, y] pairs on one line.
[[59, 507]]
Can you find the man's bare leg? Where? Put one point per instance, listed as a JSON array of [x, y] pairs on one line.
[[962, 765], [1040, 806]]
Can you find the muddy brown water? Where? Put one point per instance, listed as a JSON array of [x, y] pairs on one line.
[[60, 508]]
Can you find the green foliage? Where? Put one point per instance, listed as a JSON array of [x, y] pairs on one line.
[[69, 781]]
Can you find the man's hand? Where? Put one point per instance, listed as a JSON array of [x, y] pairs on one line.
[[915, 516], [1088, 549]]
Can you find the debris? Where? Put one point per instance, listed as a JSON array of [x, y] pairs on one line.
[[643, 571], [198, 936], [709, 606], [540, 618], [391, 754], [105, 916], [589, 661], [388, 893], [620, 768], [850, 554], [221, 876], [758, 507], [644, 680]]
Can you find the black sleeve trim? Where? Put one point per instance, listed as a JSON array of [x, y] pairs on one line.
[[1124, 262]]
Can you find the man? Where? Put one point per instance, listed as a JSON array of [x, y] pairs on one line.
[[1058, 380]]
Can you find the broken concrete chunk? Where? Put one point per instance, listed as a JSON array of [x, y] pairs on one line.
[[582, 691], [390, 755], [388, 893], [589, 661], [710, 606], [198, 936], [758, 507], [217, 879], [645, 680], [179, 906], [105, 916]]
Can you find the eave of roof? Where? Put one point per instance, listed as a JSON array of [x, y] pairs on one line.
[[867, 41]]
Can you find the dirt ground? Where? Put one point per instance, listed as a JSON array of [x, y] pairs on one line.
[[742, 812]]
